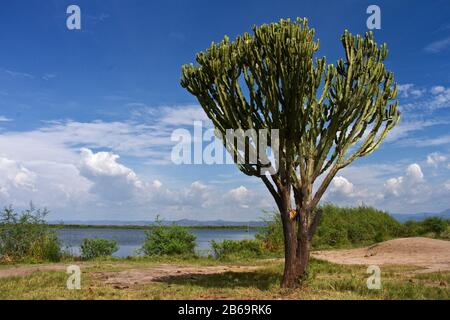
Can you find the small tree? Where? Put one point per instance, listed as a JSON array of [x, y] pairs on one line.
[[327, 115]]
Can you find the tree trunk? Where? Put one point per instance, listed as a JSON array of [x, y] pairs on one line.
[[291, 263], [303, 250], [296, 251]]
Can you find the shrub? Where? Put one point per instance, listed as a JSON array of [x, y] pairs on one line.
[[339, 227], [271, 235], [434, 224], [232, 249], [168, 240], [94, 248], [27, 236], [412, 229]]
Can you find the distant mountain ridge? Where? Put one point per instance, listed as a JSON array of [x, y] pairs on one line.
[[182, 222], [225, 223], [420, 216]]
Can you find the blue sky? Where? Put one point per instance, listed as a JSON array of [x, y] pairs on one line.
[[86, 115]]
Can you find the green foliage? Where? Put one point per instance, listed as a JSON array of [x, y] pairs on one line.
[[339, 227], [95, 248], [235, 249], [273, 79], [434, 225], [168, 240], [27, 236], [354, 226], [412, 229], [271, 235]]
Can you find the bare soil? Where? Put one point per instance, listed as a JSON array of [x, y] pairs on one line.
[[125, 278], [20, 271], [430, 254]]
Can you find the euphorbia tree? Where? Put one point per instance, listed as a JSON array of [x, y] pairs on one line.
[[327, 115]]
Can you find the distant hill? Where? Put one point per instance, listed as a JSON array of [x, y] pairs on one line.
[[420, 216], [182, 222]]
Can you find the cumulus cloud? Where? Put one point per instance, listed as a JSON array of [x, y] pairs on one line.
[[15, 175], [241, 196], [409, 183], [342, 186], [397, 188], [111, 180], [435, 159]]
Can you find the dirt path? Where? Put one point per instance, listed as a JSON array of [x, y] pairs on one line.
[[125, 278], [131, 276], [20, 271], [430, 254]]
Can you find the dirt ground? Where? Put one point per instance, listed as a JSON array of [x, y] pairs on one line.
[[20, 271], [430, 254], [125, 278]]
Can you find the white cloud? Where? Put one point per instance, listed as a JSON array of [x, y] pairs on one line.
[[408, 184], [111, 180], [341, 185], [241, 195], [430, 99], [438, 46], [157, 184], [428, 142], [407, 127], [437, 89], [13, 174], [435, 159], [17, 74], [440, 98], [4, 119], [409, 89]]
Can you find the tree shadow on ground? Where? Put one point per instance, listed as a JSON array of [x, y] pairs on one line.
[[261, 279]]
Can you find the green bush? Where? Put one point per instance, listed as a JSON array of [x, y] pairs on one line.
[[339, 227], [27, 236], [412, 229], [434, 224], [94, 248], [168, 240], [271, 235], [232, 249]]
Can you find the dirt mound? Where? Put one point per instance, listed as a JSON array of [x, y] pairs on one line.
[[431, 254]]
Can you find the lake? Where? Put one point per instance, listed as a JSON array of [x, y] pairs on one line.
[[131, 239]]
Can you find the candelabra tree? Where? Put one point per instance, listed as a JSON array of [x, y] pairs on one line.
[[326, 115]]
